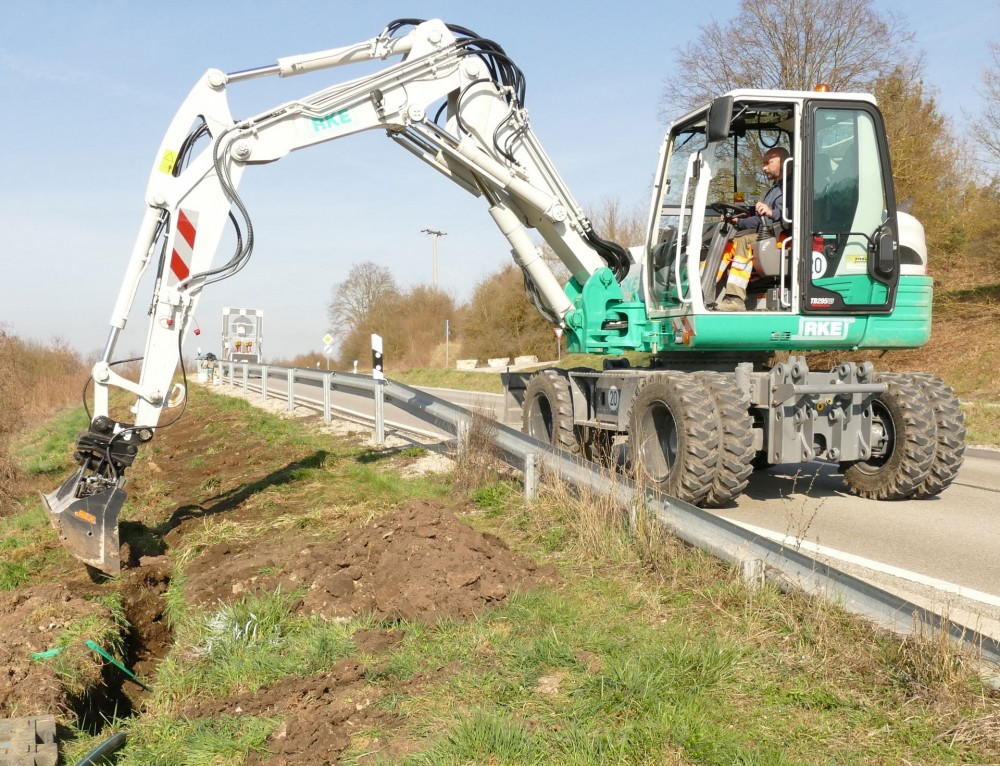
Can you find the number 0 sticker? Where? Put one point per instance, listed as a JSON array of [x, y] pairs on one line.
[[818, 264]]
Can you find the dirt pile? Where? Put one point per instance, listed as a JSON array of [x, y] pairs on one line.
[[419, 562]]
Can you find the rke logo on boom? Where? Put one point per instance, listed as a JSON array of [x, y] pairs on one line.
[[335, 120]]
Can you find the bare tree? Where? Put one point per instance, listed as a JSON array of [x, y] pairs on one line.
[[987, 130], [614, 222], [790, 44], [361, 299]]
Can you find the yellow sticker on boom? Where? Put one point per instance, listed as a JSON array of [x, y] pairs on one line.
[[168, 161]]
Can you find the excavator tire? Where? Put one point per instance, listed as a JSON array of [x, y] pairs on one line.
[[674, 435], [548, 410], [949, 451], [736, 455], [901, 460]]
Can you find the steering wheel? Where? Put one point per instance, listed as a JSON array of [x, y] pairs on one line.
[[732, 211]]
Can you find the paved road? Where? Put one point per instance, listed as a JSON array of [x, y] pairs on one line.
[[925, 548], [939, 552]]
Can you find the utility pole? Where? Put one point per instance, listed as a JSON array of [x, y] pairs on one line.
[[435, 235]]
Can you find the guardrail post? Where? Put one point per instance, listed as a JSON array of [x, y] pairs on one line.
[[246, 379], [327, 382], [530, 476], [752, 571], [462, 437], [263, 382], [379, 412], [232, 374], [291, 389]]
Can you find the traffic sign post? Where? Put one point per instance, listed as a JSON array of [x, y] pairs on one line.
[[327, 348]]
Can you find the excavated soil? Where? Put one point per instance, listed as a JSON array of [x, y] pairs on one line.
[[32, 619], [418, 562]]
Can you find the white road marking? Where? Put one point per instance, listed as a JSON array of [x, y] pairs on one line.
[[877, 566]]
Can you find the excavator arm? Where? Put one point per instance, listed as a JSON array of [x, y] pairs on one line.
[[453, 99]]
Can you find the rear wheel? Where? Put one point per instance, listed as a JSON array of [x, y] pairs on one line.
[[674, 435], [904, 435], [949, 449], [548, 411]]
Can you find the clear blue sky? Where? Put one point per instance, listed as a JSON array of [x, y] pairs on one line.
[[88, 90]]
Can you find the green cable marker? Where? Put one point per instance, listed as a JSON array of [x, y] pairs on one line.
[[46, 654], [116, 663]]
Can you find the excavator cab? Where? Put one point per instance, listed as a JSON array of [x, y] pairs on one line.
[[831, 273]]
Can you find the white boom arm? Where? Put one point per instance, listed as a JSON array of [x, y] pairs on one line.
[[484, 144]]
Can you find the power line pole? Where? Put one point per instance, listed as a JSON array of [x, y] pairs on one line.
[[434, 248]]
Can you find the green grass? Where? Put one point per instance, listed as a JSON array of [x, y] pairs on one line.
[[48, 449], [245, 645], [21, 530], [14, 574], [202, 742], [982, 419], [22, 559]]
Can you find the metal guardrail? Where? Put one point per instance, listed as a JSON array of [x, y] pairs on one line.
[[758, 558]]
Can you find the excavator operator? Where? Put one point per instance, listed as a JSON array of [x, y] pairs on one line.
[[769, 212]]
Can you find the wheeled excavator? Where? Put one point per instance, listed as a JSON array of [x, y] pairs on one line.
[[845, 268]]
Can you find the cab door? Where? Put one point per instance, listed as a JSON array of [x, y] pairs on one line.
[[849, 212]]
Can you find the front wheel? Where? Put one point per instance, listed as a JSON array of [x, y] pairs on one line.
[[904, 435]]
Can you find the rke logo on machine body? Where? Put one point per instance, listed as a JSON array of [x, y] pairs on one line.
[[828, 329]]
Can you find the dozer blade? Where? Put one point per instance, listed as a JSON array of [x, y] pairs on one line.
[[87, 526]]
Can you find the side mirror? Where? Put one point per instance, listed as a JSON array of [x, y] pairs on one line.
[[720, 118], [886, 255]]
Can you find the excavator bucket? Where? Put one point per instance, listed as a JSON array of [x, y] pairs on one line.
[[87, 526]]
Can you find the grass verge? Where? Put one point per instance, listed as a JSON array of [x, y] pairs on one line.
[[638, 651]]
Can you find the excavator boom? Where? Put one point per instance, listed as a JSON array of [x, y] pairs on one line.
[[453, 99]]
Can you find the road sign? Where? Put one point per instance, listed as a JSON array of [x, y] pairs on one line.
[[328, 350], [327, 339]]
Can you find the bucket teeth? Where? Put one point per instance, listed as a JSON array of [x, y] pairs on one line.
[[87, 526]]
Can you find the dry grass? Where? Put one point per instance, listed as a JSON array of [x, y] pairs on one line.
[[478, 462], [796, 645], [34, 380]]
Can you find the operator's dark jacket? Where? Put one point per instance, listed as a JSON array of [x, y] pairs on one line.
[[774, 199]]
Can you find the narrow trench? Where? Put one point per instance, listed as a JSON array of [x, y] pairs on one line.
[[147, 641]]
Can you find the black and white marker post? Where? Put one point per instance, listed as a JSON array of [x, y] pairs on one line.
[[379, 377]]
